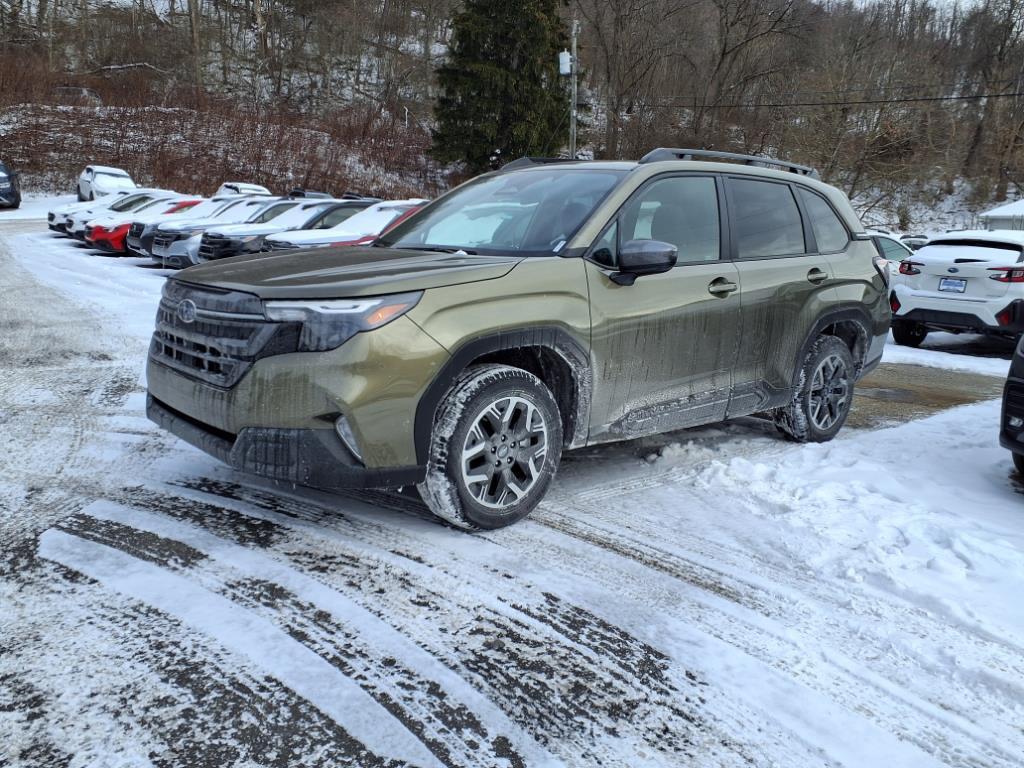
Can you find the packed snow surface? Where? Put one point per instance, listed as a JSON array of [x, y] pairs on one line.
[[714, 597]]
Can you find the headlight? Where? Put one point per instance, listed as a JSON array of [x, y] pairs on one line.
[[329, 323], [5, 184]]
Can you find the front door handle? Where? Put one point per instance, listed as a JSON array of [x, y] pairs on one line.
[[817, 276], [721, 287]]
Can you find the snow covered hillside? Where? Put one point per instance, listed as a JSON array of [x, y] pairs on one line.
[[713, 597]]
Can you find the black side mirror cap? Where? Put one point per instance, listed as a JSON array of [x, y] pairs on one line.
[[644, 257]]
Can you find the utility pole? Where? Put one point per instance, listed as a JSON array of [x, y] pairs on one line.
[[567, 65], [575, 70]]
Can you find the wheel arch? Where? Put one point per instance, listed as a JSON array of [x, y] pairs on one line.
[[548, 352], [850, 324]]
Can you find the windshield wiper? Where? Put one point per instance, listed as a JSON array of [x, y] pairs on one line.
[[435, 249]]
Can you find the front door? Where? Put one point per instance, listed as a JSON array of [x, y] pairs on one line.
[[663, 347]]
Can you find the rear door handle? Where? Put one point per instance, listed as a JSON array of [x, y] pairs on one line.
[[721, 287], [817, 276]]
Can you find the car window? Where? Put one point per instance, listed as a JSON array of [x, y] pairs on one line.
[[126, 202], [531, 212], [829, 231], [338, 215], [370, 221], [606, 249], [766, 218], [892, 250], [271, 212], [681, 210]]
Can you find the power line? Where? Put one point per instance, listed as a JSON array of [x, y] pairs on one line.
[[692, 104]]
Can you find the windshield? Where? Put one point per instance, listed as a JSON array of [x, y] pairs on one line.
[[201, 209], [300, 215], [113, 175], [271, 212], [530, 212], [128, 202], [338, 215], [152, 203], [370, 221]]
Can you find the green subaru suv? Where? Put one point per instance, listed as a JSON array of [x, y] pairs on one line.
[[536, 309]]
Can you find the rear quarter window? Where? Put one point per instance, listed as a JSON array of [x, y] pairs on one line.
[[829, 231]]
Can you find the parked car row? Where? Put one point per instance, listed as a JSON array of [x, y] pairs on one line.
[[178, 231]]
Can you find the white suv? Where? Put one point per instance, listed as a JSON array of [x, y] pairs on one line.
[[969, 281]]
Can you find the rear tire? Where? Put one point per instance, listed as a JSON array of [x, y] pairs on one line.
[[1018, 463], [495, 447], [908, 334], [823, 400]]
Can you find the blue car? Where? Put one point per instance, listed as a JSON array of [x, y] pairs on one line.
[[10, 195]]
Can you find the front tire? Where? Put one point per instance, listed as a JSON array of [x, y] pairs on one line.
[[823, 401], [81, 197], [495, 447], [908, 334]]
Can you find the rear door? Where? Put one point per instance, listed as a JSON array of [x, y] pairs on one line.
[[786, 284], [663, 347]]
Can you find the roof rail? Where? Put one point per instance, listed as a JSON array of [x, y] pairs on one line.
[[526, 162], [668, 153]]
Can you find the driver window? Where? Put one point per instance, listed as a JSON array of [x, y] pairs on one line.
[[681, 210]]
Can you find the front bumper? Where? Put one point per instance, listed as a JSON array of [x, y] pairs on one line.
[[312, 457], [179, 254], [10, 199], [1010, 437]]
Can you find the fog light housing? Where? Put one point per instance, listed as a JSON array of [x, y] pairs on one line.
[[1015, 421], [894, 303], [348, 437]]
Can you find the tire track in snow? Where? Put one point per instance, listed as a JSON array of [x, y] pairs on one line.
[[533, 667], [118, 681], [426, 696], [255, 639]]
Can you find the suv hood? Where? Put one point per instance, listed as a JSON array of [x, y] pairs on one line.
[[183, 224], [346, 271]]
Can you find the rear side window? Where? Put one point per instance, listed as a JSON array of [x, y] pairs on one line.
[[892, 250], [828, 229], [767, 219]]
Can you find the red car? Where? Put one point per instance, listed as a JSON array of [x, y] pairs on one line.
[[109, 233]]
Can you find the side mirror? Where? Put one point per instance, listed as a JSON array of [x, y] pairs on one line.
[[644, 257]]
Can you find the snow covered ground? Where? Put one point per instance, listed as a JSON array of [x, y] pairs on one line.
[[716, 597]]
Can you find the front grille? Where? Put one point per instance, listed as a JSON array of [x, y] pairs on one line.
[[277, 245], [89, 231], [136, 229], [228, 335], [165, 239], [216, 247], [50, 217]]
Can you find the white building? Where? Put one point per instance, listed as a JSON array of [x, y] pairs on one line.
[[1008, 216]]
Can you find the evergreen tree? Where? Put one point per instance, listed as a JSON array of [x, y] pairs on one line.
[[500, 87]]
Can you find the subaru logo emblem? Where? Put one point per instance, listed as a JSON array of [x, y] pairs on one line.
[[186, 311], [953, 270]]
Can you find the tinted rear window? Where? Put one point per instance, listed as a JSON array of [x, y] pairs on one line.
[[767, 219]]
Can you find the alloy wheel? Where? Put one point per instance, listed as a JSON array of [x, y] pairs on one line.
[[830, 392], [504, 452]]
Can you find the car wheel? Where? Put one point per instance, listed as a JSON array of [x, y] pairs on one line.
[[496, 443], [823, 400], [908, 334], [92, 195], [1018, 463]]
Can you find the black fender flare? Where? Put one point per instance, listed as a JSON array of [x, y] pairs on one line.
[[553, 338], [850, 313]]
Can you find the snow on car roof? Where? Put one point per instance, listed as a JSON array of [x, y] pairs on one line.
[[109, 169], [1009, 236]]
